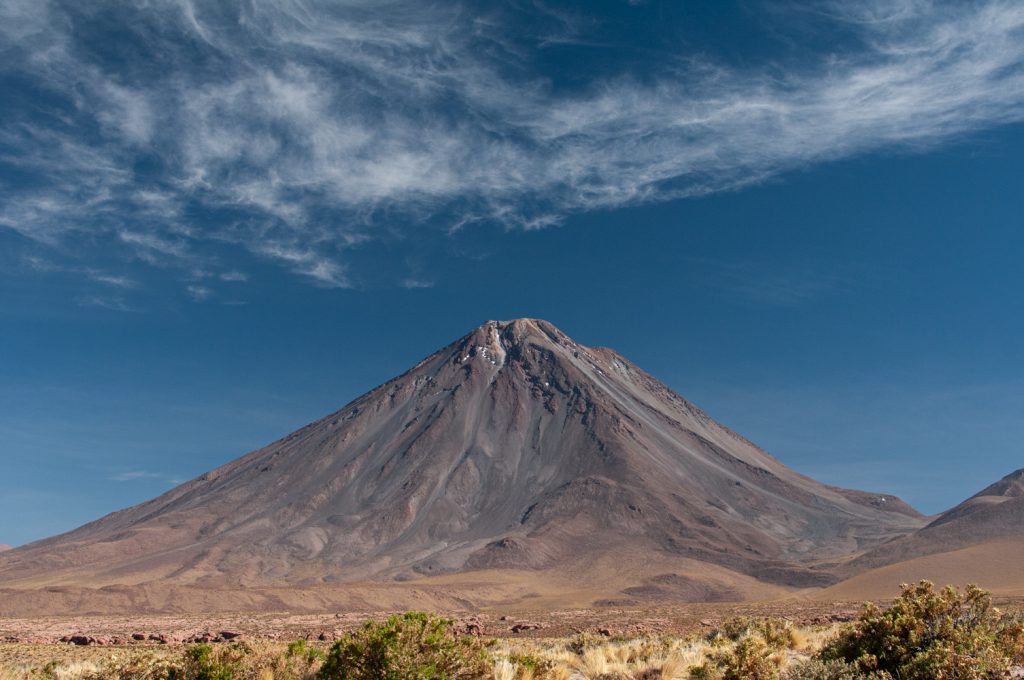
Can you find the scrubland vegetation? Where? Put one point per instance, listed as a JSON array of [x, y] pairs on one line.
[[926, 634]]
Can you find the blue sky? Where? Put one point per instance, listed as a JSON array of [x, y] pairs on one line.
[[220, 221]]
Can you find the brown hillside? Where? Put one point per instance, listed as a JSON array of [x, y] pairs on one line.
[[979, 541]]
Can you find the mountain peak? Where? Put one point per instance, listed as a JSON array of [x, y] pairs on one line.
[[516, 331], [1012, 485], [534, 345]]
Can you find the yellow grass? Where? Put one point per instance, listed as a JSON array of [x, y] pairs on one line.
[[667, 657]]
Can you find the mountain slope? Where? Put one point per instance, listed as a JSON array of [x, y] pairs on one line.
[[513, 448], [1009, 488], [992, 517], [994, 565]]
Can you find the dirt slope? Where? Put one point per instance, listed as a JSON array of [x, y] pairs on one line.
[[993, 515], [995, 566], [514, 449], [980, 541]]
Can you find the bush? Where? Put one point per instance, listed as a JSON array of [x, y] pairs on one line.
[[778, 634], [300, 661], [531, 663], [750, 659], [203, 662], [729, 630], [414, 646], [815, 669], [933, 635]]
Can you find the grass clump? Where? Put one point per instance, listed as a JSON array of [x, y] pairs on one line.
[[930, 634], [414, 646]]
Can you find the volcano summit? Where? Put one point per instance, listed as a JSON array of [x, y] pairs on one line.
[[512, 451]]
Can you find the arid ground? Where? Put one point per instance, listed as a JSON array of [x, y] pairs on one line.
[[662, 641]]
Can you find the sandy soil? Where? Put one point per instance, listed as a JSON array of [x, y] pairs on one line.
[[998, 567]]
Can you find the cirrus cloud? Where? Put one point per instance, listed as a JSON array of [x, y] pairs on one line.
[[298, 131]]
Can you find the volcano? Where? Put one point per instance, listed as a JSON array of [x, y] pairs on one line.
[[512, 450]]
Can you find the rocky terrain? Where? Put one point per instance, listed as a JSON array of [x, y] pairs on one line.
[[675, 619]]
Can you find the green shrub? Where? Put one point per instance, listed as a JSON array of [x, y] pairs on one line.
[[300, 661], [203, 662], [414, 646], [750, 659], [933, 635], [582, 641], [302, 652], [815, 669], [530, 662], [730, 630], [776, 633]]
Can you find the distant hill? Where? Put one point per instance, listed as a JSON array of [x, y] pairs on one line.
[[980, 540], [512, 451]]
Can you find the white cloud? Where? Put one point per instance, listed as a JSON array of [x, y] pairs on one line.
[[142, 475], [129, 112], [198, 293], [774, 284], [323, 126], [45, 266], [320, 270], [114, 303], [134, 475], [111, 279], [150, 245]]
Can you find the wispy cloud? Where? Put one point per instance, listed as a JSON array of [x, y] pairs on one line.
[[413, 284], [112, 302], [146, 475], [198, 293], [153, 246], [110, 279], [774, 284], [43, 265], [134, 475], [298, 131]]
